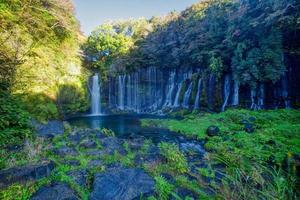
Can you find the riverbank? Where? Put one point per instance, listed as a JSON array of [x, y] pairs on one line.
[[260, 149]]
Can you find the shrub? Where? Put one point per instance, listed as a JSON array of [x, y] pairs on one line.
[[163, 188], [175, 158], [14, 121]]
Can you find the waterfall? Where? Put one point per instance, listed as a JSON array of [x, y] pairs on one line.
[[235, 97], [128, 93], [95, 95], [170, 89], [198, 96], [121, 86], [261, 97], [176, 102], [284, 91], [187, 95], [226, 92], [253, 97]]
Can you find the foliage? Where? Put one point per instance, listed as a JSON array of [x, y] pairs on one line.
[[39, 43], [246, 38], [175, 158], [14, 121], [108, 132], [163, 188]]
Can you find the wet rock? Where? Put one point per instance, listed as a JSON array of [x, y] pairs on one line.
[[80, 177], [114, 166], [49, 130], [213, 131], [26, 173], [55, 191], [184, 193], [65, 151], [192, 148], [125, 184], [75, 138], [249, 128], [148, 159], [136, 143], [94, 152], [95, 163], [88, 143], [74, 163], [252, 119], [112, 144]]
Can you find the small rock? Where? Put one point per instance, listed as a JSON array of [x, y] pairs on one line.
[[26, 173], [94, 152], [249, 128], [49, 130], [74, 163], [184, 193], [87, 144], [213, 131], [55, 191], [125, 184], [65, 151], [252, 119], [80, 177], [95, 163], [75, 138]]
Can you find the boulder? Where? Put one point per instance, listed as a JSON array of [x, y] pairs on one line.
[[112, 144], [213, 131], [49, 130], [55, 191], [125, 184], [249, 128], [26, 173]]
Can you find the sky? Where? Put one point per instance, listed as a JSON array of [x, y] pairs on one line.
[[92, 13]]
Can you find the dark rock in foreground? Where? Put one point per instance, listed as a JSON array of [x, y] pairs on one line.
[[213, 131], [125, 184], [49, 130], [112, 145], [26, 173], [56, 191]]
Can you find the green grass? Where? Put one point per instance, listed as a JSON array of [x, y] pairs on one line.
[[254, 162]]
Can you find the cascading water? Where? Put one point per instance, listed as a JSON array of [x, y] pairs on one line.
[[235, 96], [198, 96], [176, 102], [121, 84], [170, 89], [187, 95], [284, 91], [95, 95], [226, 92], [261, 98]]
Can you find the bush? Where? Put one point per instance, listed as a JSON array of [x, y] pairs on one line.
[[163, 188], [176, 160], [14, 121]]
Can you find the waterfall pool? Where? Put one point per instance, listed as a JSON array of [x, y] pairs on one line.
[[126, 126]]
